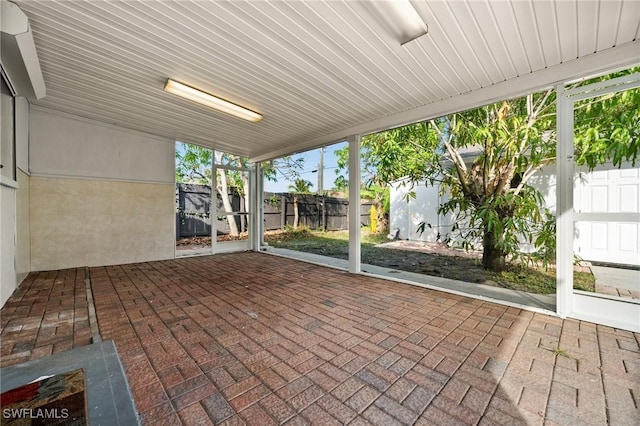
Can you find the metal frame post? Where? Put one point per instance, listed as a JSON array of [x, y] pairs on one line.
[[354, 204], [255, 207], [564, 203]]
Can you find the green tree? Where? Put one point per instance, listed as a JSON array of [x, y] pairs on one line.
[[288, 167], [486, 157], [194, 165], [372, 188], [299, 186]]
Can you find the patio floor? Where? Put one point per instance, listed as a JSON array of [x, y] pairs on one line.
[[257, 339]]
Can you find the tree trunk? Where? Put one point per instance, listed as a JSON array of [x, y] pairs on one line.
[[382, 219], [296, 217], [493, 258], [245, 190]]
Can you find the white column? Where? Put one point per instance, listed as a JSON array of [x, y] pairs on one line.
[[213, 208], [354, 204], [564, 203], [255, 207]]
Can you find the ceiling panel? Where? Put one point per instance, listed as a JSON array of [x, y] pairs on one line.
[[566, 24], [509, 33], [547, 29], [629, 25], [587, 22], [314, 69], [608, 23], [528, 30]]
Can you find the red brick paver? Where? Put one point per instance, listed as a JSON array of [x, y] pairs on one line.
[[255, 339], [46, 314]]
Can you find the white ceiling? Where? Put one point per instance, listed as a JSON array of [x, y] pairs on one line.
[[316, 70]]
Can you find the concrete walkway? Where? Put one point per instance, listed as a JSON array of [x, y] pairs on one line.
[[617, 281], [257, 339]]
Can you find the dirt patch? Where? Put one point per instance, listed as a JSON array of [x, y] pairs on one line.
[[431, 248], [199, 242], [436, 259], [429, 258]]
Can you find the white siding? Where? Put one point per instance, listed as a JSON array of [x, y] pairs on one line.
[[615, 192]]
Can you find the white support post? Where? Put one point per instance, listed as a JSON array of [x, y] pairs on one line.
[[564, 203], [354, 204], [213, 207], [255, 230]]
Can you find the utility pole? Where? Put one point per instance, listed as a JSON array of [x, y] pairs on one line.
[[320, 172], [320, 201]]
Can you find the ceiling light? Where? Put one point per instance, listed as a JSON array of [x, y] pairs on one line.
[[400, 19], [211, 101]]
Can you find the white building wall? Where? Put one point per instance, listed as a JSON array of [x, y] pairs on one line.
[[64, 145], [606, 190], [100, 194], [407, 213]]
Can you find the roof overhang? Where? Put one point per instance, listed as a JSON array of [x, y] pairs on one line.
[[317, 71]]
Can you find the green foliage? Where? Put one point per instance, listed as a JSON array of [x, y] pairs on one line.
[[603, 140], [374, 188], [380, 194], [387, 161], [485, 158], [341, 182], [291, 233], [193, 164], [300, 186], [287, 167]]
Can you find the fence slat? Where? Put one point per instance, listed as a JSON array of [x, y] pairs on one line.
[[193, 203]]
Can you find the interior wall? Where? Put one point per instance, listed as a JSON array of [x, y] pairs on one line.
[[83, 222], [99, 194]]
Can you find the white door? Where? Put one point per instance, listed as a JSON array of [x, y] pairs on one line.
[[607, 205]]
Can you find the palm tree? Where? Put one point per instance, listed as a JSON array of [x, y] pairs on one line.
[[299, 186]]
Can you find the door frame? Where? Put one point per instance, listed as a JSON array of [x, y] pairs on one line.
[[602, 309]]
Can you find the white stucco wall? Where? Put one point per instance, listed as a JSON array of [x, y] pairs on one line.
[[63, 145], [100, 194], [606, 190], [87, 222]]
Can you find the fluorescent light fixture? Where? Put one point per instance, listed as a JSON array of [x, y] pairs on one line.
[[211, 101], [400, 19]]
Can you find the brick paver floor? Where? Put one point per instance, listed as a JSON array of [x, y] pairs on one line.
[[257, 339]]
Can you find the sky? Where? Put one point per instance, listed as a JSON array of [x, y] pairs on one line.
[[308, 171], [311, 161]]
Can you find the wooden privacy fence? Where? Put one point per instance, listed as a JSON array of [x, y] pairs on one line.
[[193, 203], [315, 211]]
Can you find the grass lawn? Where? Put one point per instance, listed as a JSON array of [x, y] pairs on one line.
[[463, 268]]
